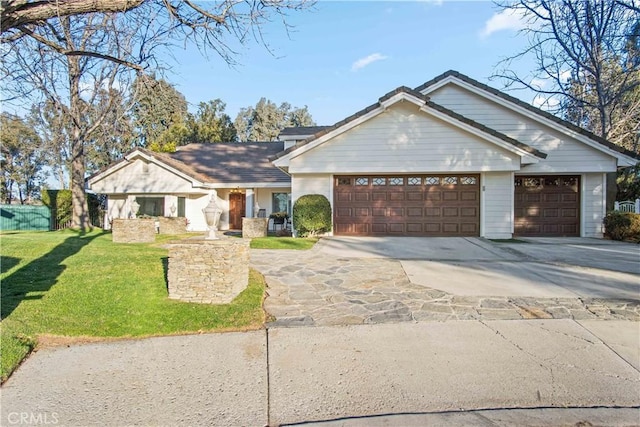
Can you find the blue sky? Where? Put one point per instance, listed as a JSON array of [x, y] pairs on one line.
[[342, 56]]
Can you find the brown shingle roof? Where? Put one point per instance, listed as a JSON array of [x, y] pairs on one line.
[[529, 107], [233, 162], [302, 130], [221, 163], [415, 93]]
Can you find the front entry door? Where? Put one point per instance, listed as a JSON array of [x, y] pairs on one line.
[[237, 206]]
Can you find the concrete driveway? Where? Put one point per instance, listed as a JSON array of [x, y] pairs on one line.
[[543, 267], [359, 280]]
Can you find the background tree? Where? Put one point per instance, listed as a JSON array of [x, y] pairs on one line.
[[157, 107], [22, 159], [265, 121], [66, 51], [210, 123], [587, 64]]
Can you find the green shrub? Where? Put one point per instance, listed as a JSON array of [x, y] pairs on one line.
[[312, 215], [622, 226]]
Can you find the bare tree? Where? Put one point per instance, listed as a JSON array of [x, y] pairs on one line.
[[577, 42], [71, 84], [587, 65], [78, 53]]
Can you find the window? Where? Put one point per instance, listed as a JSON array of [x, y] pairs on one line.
[[414, 180], [432, 180], [281, 202], [468, 180], [151, 206], [450, 180], [396, 181], [378, 181], [362, 181], [181, 207], [344, 181]]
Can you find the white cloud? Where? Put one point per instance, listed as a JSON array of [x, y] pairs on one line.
[[367, 60], [506, 20], [564, 76]]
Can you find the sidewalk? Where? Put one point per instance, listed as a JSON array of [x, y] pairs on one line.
[[401, 373]]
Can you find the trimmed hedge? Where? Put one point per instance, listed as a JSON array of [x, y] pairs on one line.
[[312, 215], [622, 226]]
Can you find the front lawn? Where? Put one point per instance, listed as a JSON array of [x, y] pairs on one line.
[[273, 242], [84, 286]]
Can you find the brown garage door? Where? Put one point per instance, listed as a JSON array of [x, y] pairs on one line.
[[547, 206], [410, 205]]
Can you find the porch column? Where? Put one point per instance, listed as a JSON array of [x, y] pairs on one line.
[[250, 201]]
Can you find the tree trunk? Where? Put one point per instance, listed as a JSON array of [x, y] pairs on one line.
[[80, 208]]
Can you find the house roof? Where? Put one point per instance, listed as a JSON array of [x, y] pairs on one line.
[[301, 130], [219, 163], [529, 107], [232, 162], [427, 102]]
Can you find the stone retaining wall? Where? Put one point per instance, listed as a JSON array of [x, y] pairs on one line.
[[254, 227], [172, 225], [133, 230], [208, 271]]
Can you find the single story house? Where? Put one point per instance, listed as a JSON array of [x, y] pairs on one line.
[[452, 157]]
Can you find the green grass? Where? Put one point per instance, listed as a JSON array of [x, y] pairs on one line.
[[66, 284], [273, 242]]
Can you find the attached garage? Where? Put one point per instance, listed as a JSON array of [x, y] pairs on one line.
[[411, 205], [547, 206], [455, 157]]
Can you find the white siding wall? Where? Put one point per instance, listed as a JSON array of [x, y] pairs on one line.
[[593, 204], [142, 177], [311, 184], [565, 155], [117, 207], [404, 139], [497, 205]]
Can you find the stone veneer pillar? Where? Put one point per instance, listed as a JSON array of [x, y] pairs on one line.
[[133, 230], [208, 271], [254, 227]]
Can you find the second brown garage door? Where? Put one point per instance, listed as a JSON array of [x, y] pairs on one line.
[[411, 205], [547, 205]]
